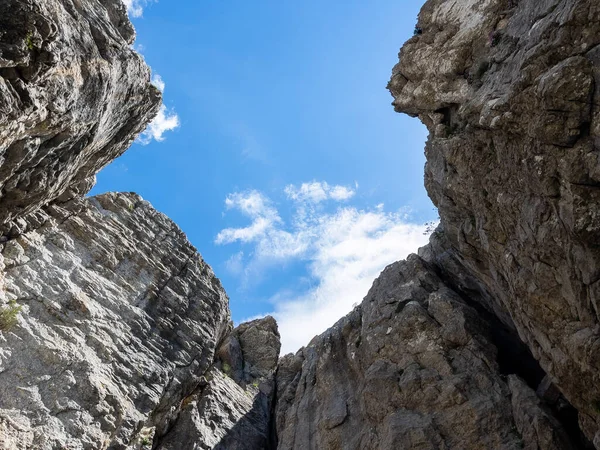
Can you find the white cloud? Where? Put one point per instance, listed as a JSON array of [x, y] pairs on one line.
[[135, 8], [343, 251], [255, 206], [158, 82], [164, 121], [340, 193], [317, 191]]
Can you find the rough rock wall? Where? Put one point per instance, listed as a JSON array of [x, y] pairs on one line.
[[508, 90], [120, 319], [123, 338], [412, 367], [109, 318], [231, 409], [73, 96]]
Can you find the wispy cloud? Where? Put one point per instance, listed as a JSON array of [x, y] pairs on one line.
[[318, 191], [165, 120], [343, 251], [255, 206], [135, 8], [158, 82]]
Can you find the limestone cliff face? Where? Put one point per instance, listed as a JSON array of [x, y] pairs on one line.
[[120, 318], [232, 408], [114, 332], [509, 92], [110, 320], [413, 367], [116, 338], [73, 95]]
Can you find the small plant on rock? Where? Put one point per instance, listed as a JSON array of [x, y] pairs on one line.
[[8, 315], [29, 40]]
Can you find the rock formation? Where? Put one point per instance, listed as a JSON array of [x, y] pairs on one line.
[[232, 409], [114, 332], [413, 367], [73, 96], [109, 317], [120, 318], [509, 93], [115, 343]]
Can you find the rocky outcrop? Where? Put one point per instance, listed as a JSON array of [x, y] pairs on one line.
[[109, 318], [251, 351], [73, 96], [120, 320], [508, 90], [232, 408], [413, 367], [114, 333], [116, 338]]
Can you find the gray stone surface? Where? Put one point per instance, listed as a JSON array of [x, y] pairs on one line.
[[222, 416], [232, 409], [123, 337], [508, 91], [73, 96], [413, 367], [120, 320], [539, 428], [251, 351]]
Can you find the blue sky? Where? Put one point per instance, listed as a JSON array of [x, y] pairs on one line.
[[286, 166]]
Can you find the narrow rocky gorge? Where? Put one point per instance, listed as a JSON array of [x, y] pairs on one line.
[[116, 334]]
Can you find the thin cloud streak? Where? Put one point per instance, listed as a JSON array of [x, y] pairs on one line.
[[316, 192]]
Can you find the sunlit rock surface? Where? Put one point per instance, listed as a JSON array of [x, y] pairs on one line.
[[114, 332], [508, 90], [120, 319], [73, 96]]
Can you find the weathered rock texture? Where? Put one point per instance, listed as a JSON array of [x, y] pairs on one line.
[[413, 367], [123, 338], [73, 96], [509, 92], [118, 318], [232, 409], [121, 318]]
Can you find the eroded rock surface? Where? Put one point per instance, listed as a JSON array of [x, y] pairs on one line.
[[120, 320], [412, 367], [73, 96], [508, 90], [232, 408], [123, 339]]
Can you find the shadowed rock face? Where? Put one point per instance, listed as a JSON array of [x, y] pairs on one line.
[[508, 90], [412, 367], [73, 96], [231, 410]]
